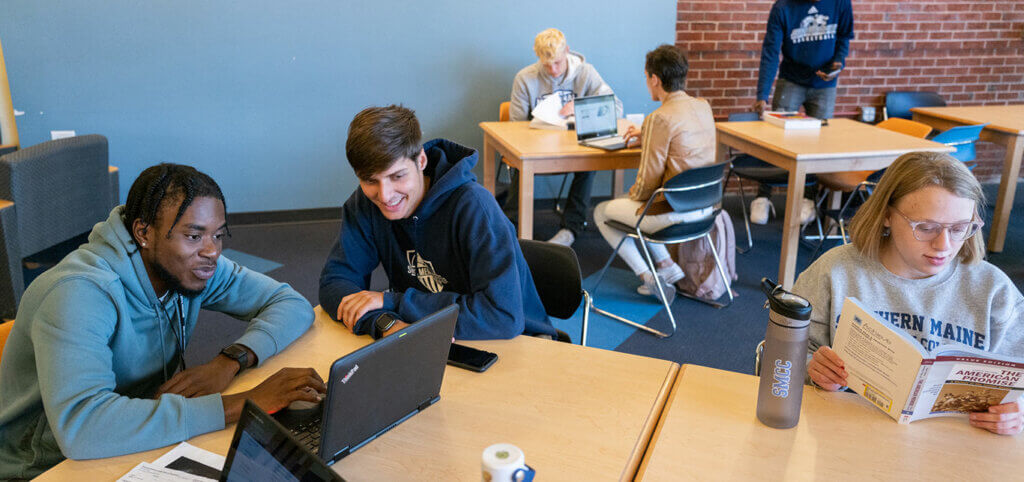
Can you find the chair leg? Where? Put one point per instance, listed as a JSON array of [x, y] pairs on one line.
[[600, 275], [558, 199], [758, 353], [592, 306], [588, 304], [721, 272], [746, 218], [657, 284]]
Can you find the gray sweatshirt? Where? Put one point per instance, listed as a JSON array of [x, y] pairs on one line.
[[975, 305], [532, 84]]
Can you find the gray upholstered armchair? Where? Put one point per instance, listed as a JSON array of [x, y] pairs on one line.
[[49, 193]]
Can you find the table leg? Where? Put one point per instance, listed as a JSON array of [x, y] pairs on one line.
[[618, 181], [489, 167], [526, 201], [1007, 189], [791, 226]]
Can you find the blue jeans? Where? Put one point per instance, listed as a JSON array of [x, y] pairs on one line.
[[820, 103]]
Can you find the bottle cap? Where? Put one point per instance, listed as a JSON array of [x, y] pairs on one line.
[[785, 303]]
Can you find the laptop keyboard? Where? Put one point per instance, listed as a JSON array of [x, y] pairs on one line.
[[611, 141], [308, 434]]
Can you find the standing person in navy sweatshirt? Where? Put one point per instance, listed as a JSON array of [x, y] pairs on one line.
[[441, 237], [814, 38]]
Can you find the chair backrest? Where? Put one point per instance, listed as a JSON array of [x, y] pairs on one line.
[[908, 127], [5, 331], [556, 273], [963, 139], [696, 188], [744, 116], [60, 189], [503, 115], [899, 103]]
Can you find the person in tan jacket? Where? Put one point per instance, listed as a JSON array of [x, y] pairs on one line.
[[677, 136]]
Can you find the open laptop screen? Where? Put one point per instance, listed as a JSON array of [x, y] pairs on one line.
[[262, 450], [595, 117]]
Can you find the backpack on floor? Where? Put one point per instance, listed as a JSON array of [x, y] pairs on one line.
[[702, 278]]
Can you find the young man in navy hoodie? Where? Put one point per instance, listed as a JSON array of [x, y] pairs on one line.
[[439, 234], [814, 39]]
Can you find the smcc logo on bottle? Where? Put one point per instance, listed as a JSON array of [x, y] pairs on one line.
[[782, 373]]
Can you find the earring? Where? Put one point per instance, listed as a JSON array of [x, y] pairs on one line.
[[885, 232]]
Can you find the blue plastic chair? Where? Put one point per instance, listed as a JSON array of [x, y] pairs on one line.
[[963, 139], [898, 103]]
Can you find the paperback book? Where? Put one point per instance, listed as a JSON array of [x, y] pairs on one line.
[[891, 369]]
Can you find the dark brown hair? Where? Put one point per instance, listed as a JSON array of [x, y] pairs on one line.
[[379, 136], [164, 183], [670, 65]]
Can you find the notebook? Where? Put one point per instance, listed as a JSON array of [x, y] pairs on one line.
[[263, 450], [377, 387], [596, 123]]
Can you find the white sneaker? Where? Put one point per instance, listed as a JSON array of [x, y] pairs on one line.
[[807, 211], [563, 237], [649, 280], [668, 275], [759, 210]]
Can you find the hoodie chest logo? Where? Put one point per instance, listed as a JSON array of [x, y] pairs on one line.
[[813, 27], [423, 270]]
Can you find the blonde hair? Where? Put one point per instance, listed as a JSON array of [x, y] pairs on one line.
[[907, 174], [549, 44]]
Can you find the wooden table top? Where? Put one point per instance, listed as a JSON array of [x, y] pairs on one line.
[[710, 432], [578, 413], [1003, 118], [841, 139], [526, 143]]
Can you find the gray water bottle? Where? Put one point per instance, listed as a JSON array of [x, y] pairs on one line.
[[784, 359]]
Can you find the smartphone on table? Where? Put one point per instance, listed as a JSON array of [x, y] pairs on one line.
[[470, 358]]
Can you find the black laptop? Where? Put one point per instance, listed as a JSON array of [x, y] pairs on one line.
[[263, 450], [377, 387]]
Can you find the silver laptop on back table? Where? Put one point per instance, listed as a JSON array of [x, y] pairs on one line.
[[596, 123]]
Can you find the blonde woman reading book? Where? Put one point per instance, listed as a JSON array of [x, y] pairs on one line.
[[916, 262]]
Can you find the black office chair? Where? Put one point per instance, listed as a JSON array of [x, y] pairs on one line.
[[898, 103], [745, 166], [556, 274], [690, 190]]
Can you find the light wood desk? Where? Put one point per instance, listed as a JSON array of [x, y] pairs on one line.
[[540, 151], [578, 413], [1006, 128], [710, 432], [843, 145]]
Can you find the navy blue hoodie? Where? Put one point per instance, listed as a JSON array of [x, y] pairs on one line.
[[811, 35], [456, 247]]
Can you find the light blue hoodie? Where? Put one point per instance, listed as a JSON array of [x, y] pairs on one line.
[[91, 343]]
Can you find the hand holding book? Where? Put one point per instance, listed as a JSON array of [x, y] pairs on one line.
[[827, 370], [1003, 419]]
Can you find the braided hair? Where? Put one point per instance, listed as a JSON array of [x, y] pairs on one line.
[[166, 182]]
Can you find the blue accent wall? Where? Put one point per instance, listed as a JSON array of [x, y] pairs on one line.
[[259, 94]]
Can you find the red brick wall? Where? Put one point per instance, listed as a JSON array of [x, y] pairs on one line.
[[971, 52]]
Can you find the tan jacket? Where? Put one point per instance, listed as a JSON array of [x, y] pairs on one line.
[[677, 136]]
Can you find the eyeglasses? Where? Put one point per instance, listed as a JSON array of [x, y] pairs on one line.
[[929, 230]]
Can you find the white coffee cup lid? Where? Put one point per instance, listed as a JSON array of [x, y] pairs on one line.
[[503, 454]]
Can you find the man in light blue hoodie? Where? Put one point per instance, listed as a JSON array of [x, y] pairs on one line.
[[94, 365]]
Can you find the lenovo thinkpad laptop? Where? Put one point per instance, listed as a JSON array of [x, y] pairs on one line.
[[596, 123], [263, 450], [377, 387]]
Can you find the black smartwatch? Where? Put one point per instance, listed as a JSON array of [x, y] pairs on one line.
[[239, 354], [381, 325]]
